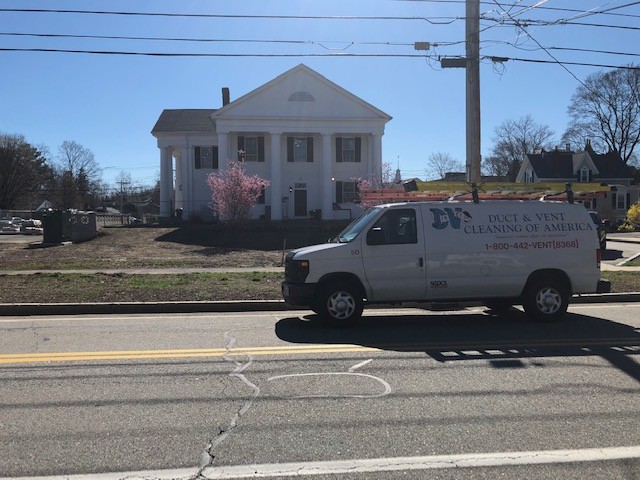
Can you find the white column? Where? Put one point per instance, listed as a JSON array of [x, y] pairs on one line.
[[179, 188], [166, 182], [187, 194], [276, 176], [326, 179], [223, 152], [376, 157]]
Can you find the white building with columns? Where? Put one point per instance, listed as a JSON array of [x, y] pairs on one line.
[[306, 135]]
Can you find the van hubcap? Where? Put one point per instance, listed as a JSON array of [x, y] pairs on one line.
[[341, 305], [548, 300]]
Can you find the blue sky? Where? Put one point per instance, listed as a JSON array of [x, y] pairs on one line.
[[109, 103]]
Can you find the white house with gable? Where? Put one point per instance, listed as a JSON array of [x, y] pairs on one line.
[[306, 135]]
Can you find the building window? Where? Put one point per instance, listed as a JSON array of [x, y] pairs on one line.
[[346, 192], [584, 175], [528, 176], [300, 149], [250, 149], [621, 201], [206, 157], [348, 149]]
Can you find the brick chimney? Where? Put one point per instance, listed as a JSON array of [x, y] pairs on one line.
[[225, 96]]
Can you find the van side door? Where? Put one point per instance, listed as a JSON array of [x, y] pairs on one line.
[[393, 255]]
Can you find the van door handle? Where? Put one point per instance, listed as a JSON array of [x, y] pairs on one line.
[[421, 262]]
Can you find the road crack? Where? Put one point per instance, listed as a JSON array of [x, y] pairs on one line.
[[209, 455]]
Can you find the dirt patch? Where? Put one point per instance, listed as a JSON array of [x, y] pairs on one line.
[[149, 247]]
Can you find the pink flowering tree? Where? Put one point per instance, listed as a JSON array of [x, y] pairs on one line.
[[234, 192], [382, 180]]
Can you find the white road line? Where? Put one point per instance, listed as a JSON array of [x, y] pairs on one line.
[[279, 470], [421, 463]]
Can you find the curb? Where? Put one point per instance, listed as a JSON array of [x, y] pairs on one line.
[[25, 309]]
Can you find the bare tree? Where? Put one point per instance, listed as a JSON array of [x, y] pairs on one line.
[[79, 172], [495, 166], [72, 157], [439, 164], [514, 139], [606, 110]]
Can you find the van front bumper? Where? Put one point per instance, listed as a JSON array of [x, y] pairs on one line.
[[299, 295], [604, 286]]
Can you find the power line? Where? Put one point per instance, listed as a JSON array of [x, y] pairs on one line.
[[345, 55], [563, 65], [206, 40], [432, 20], [299, 42], [552, 9], [182, 54], [547, 23]]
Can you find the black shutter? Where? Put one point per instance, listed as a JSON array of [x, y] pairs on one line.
[[289, 149], [197, 156], [309, 149], [214, 153], [261, 149], [339, 149], [590, 176], [338, 192], [240, 149], [628, 204], [358, 148], [613, 200]]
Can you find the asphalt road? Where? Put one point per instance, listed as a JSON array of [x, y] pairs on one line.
[[408, 394]]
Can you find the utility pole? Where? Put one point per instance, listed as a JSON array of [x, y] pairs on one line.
[[122, 184], [473, 90]]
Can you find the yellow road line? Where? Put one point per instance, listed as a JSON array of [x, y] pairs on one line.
[[185, 353], [49, 357]]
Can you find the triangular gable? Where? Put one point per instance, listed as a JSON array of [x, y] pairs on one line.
[[526, 165], [583, 159], [300, 93]]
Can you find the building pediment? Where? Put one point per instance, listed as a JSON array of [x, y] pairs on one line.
[[300, 93]]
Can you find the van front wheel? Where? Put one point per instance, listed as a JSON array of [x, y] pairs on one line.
[[546, 300], [340, 304]]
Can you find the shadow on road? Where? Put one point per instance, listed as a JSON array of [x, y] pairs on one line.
[[611, 254], [502, 340]]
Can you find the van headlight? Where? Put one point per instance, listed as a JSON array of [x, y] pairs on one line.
[[296, 271]]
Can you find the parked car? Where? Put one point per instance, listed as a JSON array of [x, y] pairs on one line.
[[600, 227]]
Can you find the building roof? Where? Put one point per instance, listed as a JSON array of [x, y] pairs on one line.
[[560, 163], [610, 165], [554, 164], [185, 120]]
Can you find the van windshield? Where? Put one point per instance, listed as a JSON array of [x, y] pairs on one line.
[[355, 227]]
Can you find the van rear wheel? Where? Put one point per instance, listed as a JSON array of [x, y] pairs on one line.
[[340, 304], [546, 300]]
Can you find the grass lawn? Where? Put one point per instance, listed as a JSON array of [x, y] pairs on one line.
[[80, 288]]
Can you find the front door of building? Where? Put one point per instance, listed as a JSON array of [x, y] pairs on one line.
[[300, 202]]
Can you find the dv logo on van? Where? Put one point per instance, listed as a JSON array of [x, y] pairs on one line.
[[449, 216]]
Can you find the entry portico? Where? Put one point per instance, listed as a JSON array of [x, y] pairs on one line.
[[306, 135]]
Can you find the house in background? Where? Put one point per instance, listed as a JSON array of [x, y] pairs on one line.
[[585, 167], [306, 135]]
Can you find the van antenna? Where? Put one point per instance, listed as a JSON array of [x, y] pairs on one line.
[[569, 192]]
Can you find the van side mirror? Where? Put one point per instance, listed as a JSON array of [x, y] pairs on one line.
[[375, 236]]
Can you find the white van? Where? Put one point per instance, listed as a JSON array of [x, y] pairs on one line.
[[499, 253]]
